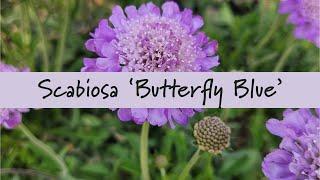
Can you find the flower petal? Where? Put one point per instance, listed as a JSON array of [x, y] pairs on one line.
[[170, 9], [157, 117], [277, 127], [209, 62], [90, 45], [188, 111], [139, 115], [186, 16], [197, 23], [289, 145], [108, 51], [90, 65], [124, 114], [178, 116], [295, 121], [131, 12], [276, 165], [13, 121], [201, 38], [286, 6], [117, 17], [211, 48], [153, 9], [103, 31], [318, 112], [103, 63]]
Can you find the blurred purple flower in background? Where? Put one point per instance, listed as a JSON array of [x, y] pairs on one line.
[[10, 118], [148, 40], [298, 156], [305, 15]]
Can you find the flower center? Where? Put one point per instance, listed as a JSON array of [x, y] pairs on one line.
[[310, 9], [306, 163], [156, 44]]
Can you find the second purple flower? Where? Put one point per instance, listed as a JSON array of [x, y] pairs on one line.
[[298, 156], [11, 117], [305, 15], [150, 40]]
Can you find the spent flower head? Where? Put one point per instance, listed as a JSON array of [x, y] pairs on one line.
[[212, 135], [10, 118], [298, 156], [150, 40]]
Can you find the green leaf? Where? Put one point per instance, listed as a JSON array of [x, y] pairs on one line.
[[240, 162], [226, 15], [96, 168]]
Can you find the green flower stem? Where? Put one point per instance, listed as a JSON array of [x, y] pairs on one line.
[[185, 172], [163, 174], [44, 48], [284, 57], [316, 68], [270, 32], [264, 40], [144, 151], [225, 114], [61, 45], [47, 150]]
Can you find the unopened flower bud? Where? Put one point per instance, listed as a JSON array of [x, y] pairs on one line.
[[212, 134], [161, 161]]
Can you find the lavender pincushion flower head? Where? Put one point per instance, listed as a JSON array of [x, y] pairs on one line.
[[305, 15], [298, 156], [148, 40], [10, 118]]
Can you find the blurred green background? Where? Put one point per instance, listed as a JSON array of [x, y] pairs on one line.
[[49, 35]]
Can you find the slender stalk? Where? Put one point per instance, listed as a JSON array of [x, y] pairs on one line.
[[225, 114], [44, 48], [46, 149], [316, 68], [270, 32], [25, 22], [284, 57], [264, 40], [61, 44], [163, 174], [185, 172], [144, 151]]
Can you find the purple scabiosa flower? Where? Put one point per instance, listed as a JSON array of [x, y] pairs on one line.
[[10, 118], [305, 15], [298, 156], [150, 40]]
